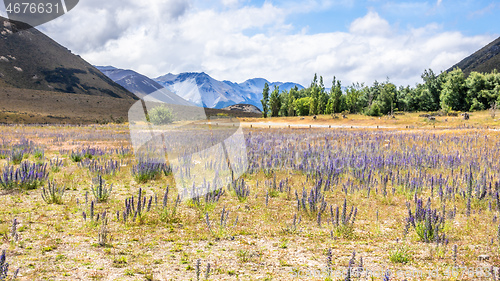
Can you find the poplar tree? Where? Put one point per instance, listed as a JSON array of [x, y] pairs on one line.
[[265, 100]]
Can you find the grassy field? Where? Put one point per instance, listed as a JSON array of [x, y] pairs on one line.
[[313, 204], [480, 119]]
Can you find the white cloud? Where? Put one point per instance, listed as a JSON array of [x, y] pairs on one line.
[[490, 9], [175, 36], [371, 24], [439, 2], [230, 3]]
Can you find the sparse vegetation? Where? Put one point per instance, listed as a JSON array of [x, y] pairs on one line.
[[149, 169], [160, 115], [26, 176], [400, 254], [53, 193], [100, 189]]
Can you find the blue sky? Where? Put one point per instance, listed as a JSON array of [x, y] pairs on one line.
[[469, 17], [357, 41]]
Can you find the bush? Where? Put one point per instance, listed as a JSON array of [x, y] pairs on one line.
[[476, 105], [27, 176], [53, 194], [76, 156], [374, 110], [161, 115], [100, 189], [17, 156], [427, 222], [400, 254], [147, 170], [343, 221]]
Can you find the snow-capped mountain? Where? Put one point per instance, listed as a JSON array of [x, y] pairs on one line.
[[203, 90], [141, 85], [194, 88]]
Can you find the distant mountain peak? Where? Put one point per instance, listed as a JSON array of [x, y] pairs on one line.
[[107, 67], [257, 80]]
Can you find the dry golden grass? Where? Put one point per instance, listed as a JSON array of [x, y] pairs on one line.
[[480, 119]]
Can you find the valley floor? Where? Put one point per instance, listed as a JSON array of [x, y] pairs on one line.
[[279, 220]]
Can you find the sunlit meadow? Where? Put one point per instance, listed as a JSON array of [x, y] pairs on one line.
[[76, 204]]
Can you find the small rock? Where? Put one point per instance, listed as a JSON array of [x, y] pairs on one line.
[[483, 257]]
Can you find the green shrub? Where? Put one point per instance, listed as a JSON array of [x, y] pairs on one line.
[[100, 189], [161, 115], [476, 105], [39, 153], [345, 231], [374, 110], [53, 193], [400, 254], [17, 156], [76, 156]]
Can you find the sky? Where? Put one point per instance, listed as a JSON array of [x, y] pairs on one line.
[[281, 40]]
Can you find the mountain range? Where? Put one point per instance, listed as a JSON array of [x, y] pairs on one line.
[[142, 86], [195, 87]]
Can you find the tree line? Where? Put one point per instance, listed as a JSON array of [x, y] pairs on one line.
[[447, 91]]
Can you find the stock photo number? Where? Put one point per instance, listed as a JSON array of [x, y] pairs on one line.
[[36, 12], [32, 8]]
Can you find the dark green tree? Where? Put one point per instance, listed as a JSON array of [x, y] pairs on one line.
[[354, 98], [275, 102], [401, 100], [481, 92], [285, 100], [322, 97], [425, 98], [292, 95], [372, 93], [336, 96], [314, 95], [386, 97], [374, 109], [454, 91], [265, 100], [302, 106], [432, 85]]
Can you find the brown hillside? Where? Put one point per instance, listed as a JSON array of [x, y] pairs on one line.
[[31, 60]]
